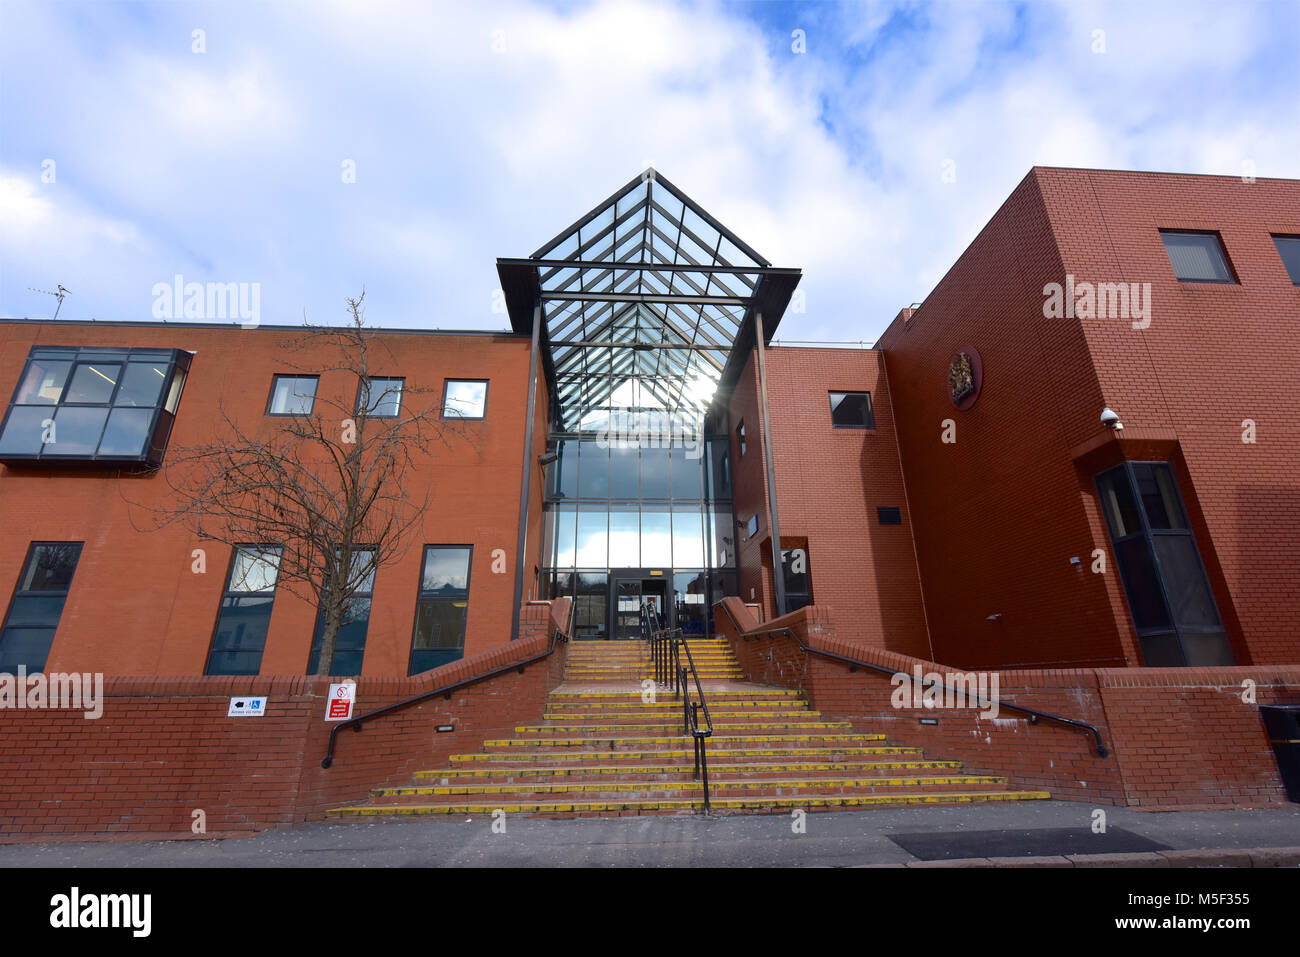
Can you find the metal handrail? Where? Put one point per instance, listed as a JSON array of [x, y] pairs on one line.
[[665, 650], [1034, 714], [557, 636]]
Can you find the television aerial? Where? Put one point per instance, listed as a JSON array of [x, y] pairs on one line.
[[57, 295]]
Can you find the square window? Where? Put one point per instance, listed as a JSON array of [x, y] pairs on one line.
[[1197, 257], [254, 569], [381, 398], [465, 399], [76, 431], [889, 515], [1288, 247], [293, 395], [44, 382], [446, 570], [142, 385], [26, 430], [127, 432], [851, 410], [93, 383]]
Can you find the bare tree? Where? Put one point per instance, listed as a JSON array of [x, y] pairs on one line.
[[333, 489]]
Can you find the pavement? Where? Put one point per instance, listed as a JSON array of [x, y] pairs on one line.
[[1055, 833]]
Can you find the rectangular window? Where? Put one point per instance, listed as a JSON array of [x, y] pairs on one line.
[[245, 617], [740, 438], [1169, 596], [350, 643], [1288, 247], [797, 578], [889, 515], [93, 405], [380, 398], [37, 605], [442, 607], [852, 410], [293, 395], [1197, 257], [465, 399]]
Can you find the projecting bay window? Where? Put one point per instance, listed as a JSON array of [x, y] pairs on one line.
[[1169, 596], [245, 617], [94, 405], [37, 605], [442, 608]]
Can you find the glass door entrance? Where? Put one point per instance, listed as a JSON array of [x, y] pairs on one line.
[[630, 587]]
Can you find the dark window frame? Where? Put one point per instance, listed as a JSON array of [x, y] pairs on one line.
[[458, 595], [1147, 534], [871, 410], [741, 443], [1289, 237], [313, 653], [228, 593], [1232, 279], [893, 512], [796, 598], [487, 394], [270, 399], [19, 593], [401, 394]]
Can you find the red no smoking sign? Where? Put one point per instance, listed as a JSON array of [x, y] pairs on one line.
[[341, 700]]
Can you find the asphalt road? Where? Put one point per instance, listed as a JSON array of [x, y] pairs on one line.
[[829, 839]]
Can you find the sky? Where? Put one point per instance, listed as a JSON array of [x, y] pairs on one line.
[[319, 149]]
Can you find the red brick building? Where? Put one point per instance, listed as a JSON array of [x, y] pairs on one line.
[[938, 495]]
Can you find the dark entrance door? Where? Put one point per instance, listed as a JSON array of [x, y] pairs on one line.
[[629, 587]]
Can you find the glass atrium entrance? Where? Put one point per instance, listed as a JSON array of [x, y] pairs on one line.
[[643, 312]]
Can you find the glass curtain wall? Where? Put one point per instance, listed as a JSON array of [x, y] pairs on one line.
[[660, 504]]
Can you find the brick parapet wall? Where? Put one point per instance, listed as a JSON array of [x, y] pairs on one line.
[[1178, 737], [164, 747]]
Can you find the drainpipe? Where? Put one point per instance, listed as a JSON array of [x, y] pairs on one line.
[[525, 487], [774, 524]]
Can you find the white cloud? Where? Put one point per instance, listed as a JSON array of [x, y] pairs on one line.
[[227, 164]]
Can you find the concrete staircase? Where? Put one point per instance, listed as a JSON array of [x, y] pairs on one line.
[[604, 750]]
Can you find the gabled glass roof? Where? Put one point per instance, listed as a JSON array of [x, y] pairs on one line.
[[643, 302]]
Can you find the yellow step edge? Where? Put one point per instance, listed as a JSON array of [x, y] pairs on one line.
[[551, 742], [648, 755], [719, 784], [798, 767], [758, 804]]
